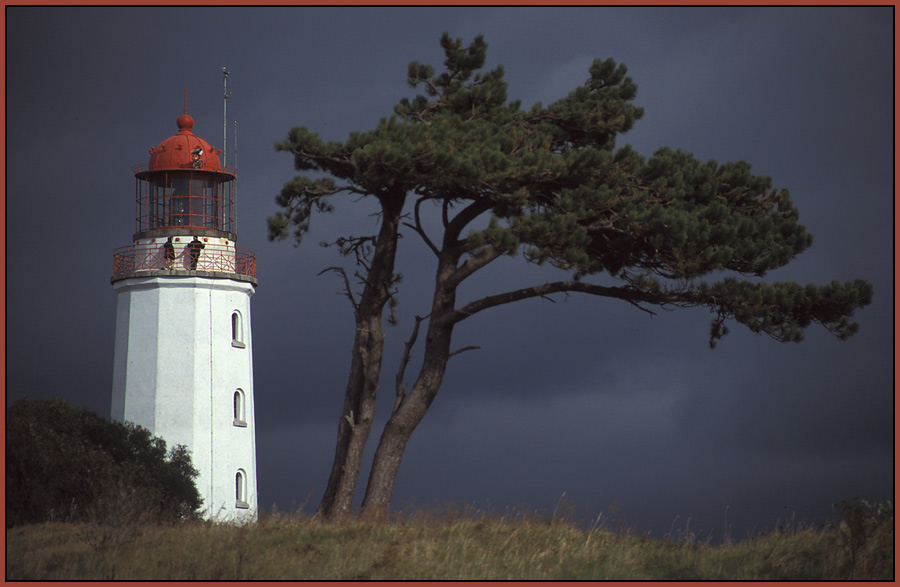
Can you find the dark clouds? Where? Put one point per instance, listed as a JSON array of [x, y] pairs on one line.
[[588, 397]]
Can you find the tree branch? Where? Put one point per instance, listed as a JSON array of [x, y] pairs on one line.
[[465, 216], [629, 294], [326, 163], [404, 361], [420, 230], [347, 291], [462, 350], [473, 264]]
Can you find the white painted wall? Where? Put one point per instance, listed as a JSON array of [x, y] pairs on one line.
[[175, 372]]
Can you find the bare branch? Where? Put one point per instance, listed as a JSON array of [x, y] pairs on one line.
[[407, 348], [361, 247], [464, 349], [347, 291], [420, 230]]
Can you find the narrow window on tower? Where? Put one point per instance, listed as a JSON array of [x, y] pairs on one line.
[[240, 490], [239, 409], [237, 331]]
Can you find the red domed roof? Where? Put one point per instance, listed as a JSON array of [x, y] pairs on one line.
[[184, 150]]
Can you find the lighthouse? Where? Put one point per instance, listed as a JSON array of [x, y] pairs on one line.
[[183, 363]]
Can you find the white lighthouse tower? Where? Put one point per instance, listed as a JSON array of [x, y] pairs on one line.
[[183, 363]]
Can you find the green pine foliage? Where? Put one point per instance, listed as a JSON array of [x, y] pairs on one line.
[[68, 464], [558, 190]]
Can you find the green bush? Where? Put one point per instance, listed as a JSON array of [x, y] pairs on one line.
[[69, 464]]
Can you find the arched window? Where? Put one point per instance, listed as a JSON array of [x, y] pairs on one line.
[[237, 330], [240, 408], [240, 490]]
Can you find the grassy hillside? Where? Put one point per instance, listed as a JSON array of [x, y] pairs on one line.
[[436, 547]]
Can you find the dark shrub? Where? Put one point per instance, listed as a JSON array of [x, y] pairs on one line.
[[866, 535], [70, 464]]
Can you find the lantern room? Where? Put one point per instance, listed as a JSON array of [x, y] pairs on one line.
[[184, 187]]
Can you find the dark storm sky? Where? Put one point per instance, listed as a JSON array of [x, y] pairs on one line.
[[585, 397]]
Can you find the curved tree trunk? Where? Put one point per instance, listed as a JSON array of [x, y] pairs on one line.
[[408, 412], [403, 422], [356, 418], [355, 423]]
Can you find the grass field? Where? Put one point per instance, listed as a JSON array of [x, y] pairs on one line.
[[465, 546]]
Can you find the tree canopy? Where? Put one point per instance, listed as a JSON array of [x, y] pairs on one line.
[[548, 184]]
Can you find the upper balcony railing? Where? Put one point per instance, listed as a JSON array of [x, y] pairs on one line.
[[212, 257]]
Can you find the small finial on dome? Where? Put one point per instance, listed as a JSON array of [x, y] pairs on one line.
[[185, 122]]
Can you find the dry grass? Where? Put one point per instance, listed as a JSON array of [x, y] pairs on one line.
[[441, 545]]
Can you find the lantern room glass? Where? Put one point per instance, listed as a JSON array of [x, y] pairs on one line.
[[185, 199]]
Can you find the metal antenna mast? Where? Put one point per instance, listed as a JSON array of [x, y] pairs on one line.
[[225, 96]]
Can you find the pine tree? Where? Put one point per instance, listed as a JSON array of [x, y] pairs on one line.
[[549, 184]]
